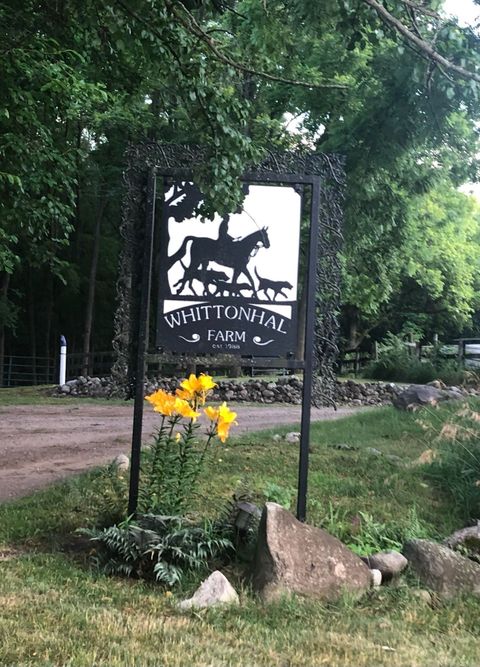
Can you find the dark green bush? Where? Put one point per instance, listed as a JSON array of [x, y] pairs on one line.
[[397, 364]]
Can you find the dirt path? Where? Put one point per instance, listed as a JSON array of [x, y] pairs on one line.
[[42, 444]]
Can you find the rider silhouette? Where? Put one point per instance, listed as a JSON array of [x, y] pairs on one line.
[[224, 237]]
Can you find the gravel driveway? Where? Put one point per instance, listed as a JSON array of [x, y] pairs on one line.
[[42, 444]]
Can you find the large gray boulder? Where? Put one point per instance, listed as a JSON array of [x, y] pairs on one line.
[[293, 557], [442, 569], [420, 395], [469, 537]]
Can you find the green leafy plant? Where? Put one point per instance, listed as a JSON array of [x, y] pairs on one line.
[[163, 548], [456, 467], [171, 467], [365, 535], [108, 494], [373, 536], [279, 494]]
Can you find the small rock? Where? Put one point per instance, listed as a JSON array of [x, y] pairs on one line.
[[390, 563], [376, 577], [373, 451], [455, 393], [215, 590], [420, 395], [65, 389], [121, 462], [293, 436], [423, 595], [277, 437]]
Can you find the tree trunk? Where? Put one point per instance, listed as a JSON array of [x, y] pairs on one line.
[[48, 328], [76, 246], [355, 337], [4, 283], [31, 326], [87, 331]]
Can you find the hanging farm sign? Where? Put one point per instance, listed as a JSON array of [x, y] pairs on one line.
[[229, 285]]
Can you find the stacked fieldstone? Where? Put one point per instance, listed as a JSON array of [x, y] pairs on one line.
[[284, 389]]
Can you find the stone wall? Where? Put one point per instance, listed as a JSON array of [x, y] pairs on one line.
[[285, 389]]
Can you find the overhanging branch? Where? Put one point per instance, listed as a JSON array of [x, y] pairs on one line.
[[421, 9], [424, 46], [189, 23]]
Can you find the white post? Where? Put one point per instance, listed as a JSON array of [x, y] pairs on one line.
[[63, 360]]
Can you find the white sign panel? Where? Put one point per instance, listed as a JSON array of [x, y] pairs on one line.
[[229, 285]]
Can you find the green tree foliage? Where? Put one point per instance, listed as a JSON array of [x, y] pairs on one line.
[[405, 127], [83, 79], [394, 89], [440, 267]]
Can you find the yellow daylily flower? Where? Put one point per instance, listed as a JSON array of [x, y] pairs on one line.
[[196, 388], [226, 418], [206, 382], [184, 394], [184, 409], [162, 402], [171, 405], [212, 413]]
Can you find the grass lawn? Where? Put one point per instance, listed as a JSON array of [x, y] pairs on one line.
[[40, 395], [55, 611]]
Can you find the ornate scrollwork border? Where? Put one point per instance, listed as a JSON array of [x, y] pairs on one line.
[[174, 158]]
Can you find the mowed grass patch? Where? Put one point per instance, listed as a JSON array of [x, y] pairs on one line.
[[56, 611], [345, 472], [42, 395]]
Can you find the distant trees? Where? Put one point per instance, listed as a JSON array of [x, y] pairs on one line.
[[394, 89]]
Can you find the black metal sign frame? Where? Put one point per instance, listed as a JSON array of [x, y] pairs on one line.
[[280, 169], [203, 310]]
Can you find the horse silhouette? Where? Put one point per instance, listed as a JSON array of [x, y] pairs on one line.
[[233, 254]]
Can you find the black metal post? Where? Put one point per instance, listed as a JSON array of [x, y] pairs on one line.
[[142, 338], [308, 354]]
